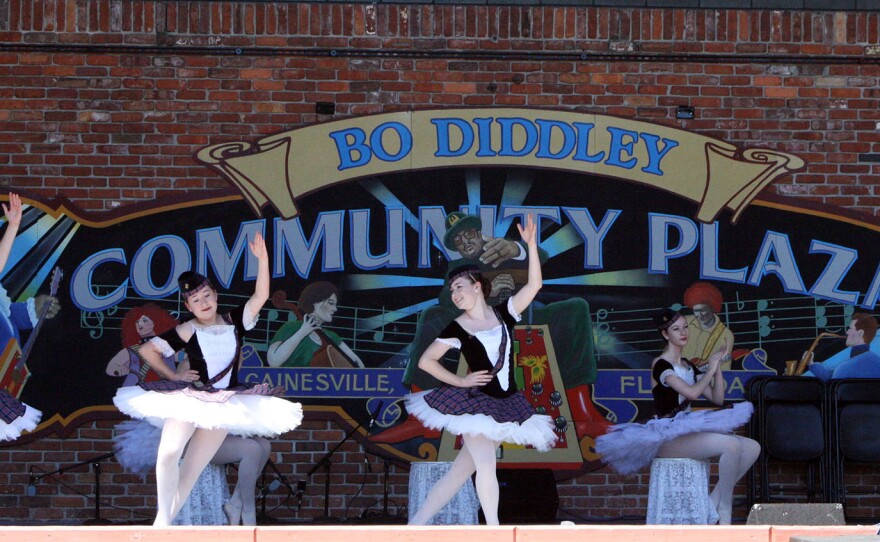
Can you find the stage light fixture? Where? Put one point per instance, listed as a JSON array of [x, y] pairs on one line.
[[325, 108], [684, 112]]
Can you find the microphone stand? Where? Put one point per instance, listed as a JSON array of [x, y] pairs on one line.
[[267, 488], [96, 465], [385, 515], [385, 488], [326, 464], [264, 518]]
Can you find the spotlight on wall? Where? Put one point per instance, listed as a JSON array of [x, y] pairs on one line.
[[325, 108], [684, 112]]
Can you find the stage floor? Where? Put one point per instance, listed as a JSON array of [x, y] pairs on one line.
[[395, 533]]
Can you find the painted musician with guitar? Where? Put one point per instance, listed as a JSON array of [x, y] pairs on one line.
[[16, 416], [304, 342]]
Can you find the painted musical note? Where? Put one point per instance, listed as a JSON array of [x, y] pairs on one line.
[[764, 328], [379, 334]]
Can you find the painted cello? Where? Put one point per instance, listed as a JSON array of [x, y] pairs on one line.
[[328, 355]]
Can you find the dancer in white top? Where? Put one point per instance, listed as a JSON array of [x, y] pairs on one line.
[[201, 406]]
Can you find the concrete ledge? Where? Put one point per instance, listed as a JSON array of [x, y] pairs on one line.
[[847, 538], [402, 533], [127, 534], [640, 533], [385, 533], [787, 533]]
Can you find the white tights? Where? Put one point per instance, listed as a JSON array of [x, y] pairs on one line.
[[175, 481], [476, 455], [735, 455], [251, 455]]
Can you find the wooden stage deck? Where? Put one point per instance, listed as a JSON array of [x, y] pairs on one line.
[[396, 533]]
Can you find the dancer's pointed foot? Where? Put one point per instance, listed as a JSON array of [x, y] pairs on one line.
[[725, 513], [248, 515], [233, 512]]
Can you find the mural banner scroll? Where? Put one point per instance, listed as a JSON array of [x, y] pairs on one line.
[[280, 168]]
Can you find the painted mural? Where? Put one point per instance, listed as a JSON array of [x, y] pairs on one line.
[[373, 211]]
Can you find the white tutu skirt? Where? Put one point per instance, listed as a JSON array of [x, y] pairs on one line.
[[26, 422], [536, 431], [241, 414], [628, 447], [136, 444]]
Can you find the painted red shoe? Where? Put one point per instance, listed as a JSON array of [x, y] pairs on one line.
[[409, 429], [588, 422]]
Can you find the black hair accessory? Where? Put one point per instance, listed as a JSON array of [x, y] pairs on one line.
[[190, 281], [469, 270], [666, 318]]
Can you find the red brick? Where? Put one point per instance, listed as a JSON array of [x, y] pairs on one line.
[[123, 126]]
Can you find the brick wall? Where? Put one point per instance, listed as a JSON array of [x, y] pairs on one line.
[[356, 491], [104, 102]]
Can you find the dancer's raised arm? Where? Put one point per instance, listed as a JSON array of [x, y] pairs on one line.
[[261, 288], [527, 293], [13, 219]]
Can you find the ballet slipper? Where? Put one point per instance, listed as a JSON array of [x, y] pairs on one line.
[[233, 512], [248, 518], [725, 513]]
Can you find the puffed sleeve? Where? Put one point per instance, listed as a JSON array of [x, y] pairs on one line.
[[169, 342], [452, 335], [662, 370]]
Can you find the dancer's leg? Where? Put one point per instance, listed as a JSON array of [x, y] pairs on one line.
[[175, 435], [735, 455], [445, 488], [251, 454], [248, 484], [482, 451], [750, 452], [202, 446]]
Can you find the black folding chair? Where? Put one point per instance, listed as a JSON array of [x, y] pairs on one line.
[[792, 429], [753, 395], [854, 423]]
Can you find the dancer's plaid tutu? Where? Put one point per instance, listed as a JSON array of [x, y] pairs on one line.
[[463, 411], [210, 393], [16, 417], [10, 407], [458, 401]]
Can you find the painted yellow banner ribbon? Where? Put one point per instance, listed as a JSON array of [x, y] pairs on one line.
[[280, 168]]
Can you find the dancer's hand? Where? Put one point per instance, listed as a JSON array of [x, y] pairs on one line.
[[185, 376], [718, 357], [258, 246], [529, 232], [13, 211], [477, 378]]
